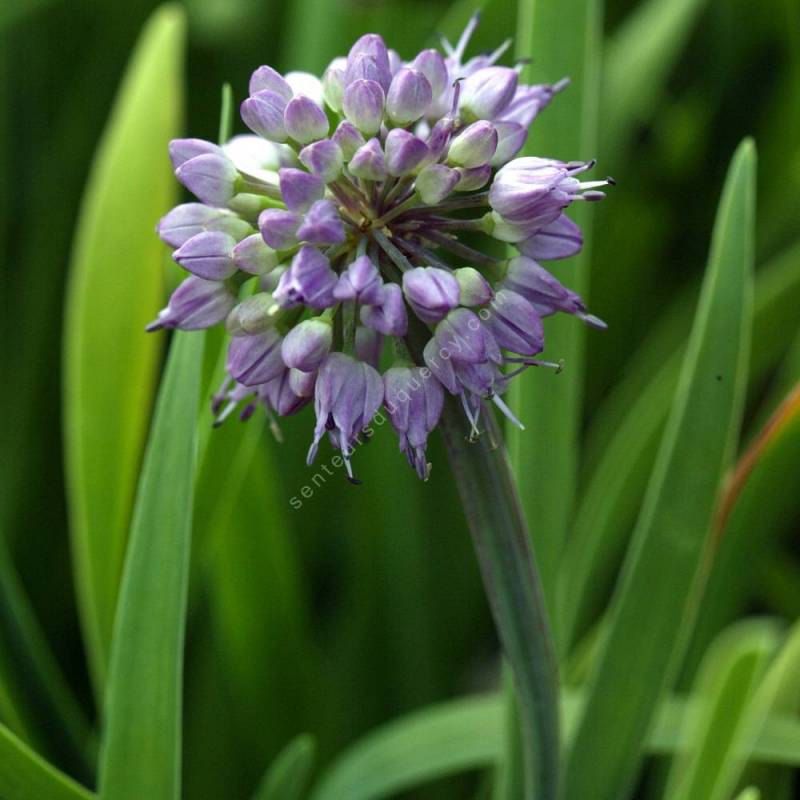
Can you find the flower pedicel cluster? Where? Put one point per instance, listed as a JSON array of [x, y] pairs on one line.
[[339, 224]]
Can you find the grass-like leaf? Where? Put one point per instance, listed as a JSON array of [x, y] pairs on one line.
[[24, 775], [728, 678], [624, 439], [564, 40], [115, 287], [639, 59], [288, 775], [468, 734], [652, 608], [142, 734]]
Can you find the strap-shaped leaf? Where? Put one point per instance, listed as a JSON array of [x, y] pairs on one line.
[[115, 288], [288, 774], [24, 775], [653, 607], [141, 744]]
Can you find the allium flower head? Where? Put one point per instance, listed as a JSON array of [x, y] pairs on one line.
[[353, 216]]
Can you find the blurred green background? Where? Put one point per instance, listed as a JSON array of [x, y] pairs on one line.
[[366, 603]]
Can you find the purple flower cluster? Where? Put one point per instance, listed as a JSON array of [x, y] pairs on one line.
[[342, 221]]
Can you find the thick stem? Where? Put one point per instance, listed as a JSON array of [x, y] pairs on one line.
[[512, 584]]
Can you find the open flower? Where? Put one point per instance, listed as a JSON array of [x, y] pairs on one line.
[[353, 215]]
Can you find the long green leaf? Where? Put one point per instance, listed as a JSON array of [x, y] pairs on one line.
[[115, 286], [652, 609], [39, 702], [639, 58], [623, 440], [142, 733], [564, 39], [288, 775], [468, 733], [26, 776], [727, 682]]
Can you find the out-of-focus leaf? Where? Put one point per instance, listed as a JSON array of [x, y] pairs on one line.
[[653, 605], [639, 59], [750, 793], [24, 775], [713, 734], [468, 733], [624, 437], [287, 776], [759, 503], [565, 40], [16, 10], [141, 748], [39, 704], [115, 287]]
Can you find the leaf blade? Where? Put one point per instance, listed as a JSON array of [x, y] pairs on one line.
[[140, 754], [115, 285], [665, 556]]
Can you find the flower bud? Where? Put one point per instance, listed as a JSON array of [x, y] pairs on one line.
[[515, 324], [181, 150], [307, 344], [255, 359], [465, 340], [361, 282], [309, 280], [431, 292], [473, 178], [363, 105], [307, 84], [324, 159], [299, 189], [279, 395], [439, 137], [279, 227], [404, 152], [475, 289], [252, 255], [267, 79], [349, 138], [195, 304], [304, 120], [436, 182], [474, 146], [269, 281], [369, 162], [389, 316], [485, 93], [322, 224], [562, 238], [409, 96], [511, 138], [208, 255], [255, 314], [528, 102], [210, 177], [333, 88], [262, 112], [188, 219], [302, 383], [432, 65], [370, 46]]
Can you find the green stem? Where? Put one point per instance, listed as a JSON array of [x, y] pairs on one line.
[[512, 584]]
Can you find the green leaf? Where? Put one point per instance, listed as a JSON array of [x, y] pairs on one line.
[[37, 700], [565, 40], [714, 732], [287, 776], [115, 288], [26, 776], [141, 745], [653, 606], [623, 440], [469, 733], [639, 59], [750, 793]]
